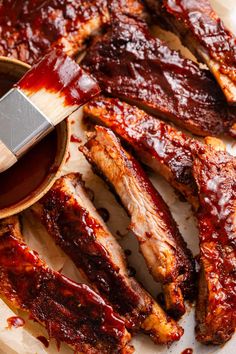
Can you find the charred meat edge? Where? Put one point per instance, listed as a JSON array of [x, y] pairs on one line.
[[29, 30], [71, 312], [164, 250], [71, 219], [203, 32], [129, 63], [215, 174]]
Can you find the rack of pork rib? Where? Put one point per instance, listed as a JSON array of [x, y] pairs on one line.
[[148, 92]]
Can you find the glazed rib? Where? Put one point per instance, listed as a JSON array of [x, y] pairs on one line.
[[158, 145], [206, 36], [72, 221], [165, 252], [215, 174], [29, 28], [131, 64], [71, 312], [165, 149]]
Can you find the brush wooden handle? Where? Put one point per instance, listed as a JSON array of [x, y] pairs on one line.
[[7, 158]]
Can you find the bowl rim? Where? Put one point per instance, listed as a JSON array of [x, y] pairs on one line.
[[63, 134]]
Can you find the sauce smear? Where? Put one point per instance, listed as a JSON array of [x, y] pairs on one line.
[[15, 322], [31, 170]]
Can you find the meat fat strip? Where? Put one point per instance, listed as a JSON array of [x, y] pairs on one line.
[[203, 32], [215, 174], [166, 254], [71, 219], [71, 312], [129, 63]]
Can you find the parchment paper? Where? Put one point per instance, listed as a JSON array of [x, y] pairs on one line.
[[23, 340]]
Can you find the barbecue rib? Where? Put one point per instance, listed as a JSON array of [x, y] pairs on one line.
[[215, 174], [71, 312], [206, 36], [71, 219], [165, 252], [131, 64], [29, 28], [160, 146]]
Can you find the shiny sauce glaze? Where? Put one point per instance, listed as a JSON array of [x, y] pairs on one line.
[[187, 351], [31, 170], [71, 312], [208, 29], [157, 78], [29, 28], [215, 174], [58, 73], [15, 321], [43, 340], [104, 213], [183, 265], [75, 231]]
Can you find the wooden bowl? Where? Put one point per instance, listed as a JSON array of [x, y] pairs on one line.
[[16, 69]]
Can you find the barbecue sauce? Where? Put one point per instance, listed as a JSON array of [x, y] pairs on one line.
[[209, 30], [15, 322], [30, 171], [74, 313], [187, 351], [77, 236], [30, 28], [43, 340]]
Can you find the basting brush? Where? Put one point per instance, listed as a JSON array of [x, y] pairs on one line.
[[47, 94]]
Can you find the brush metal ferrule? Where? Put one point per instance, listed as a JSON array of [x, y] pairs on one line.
[[22, 123]]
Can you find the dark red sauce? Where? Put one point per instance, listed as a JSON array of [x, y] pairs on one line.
[[68, 156], [43, 340], [6, 82], [151, 75], [207, 27], [29, 28], [72, 312], [128, 252], [15, 322], [75, 231], [104, 213], [215, 173], [132, 271], [158, 144], [57, 72], [187, 351], [75, 139], [31, 170]]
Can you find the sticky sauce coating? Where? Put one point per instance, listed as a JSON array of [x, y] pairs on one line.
[[215, 174], [15, 322], [208, 29], [152, 76], [58, 73], [71, 312]]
